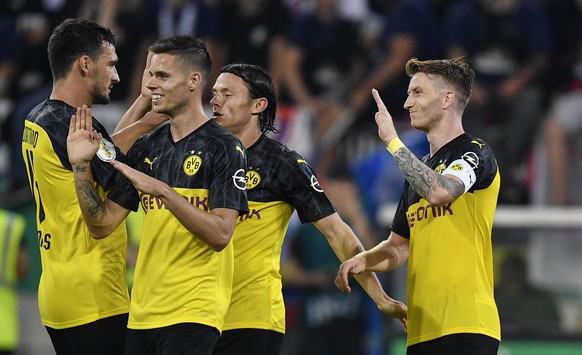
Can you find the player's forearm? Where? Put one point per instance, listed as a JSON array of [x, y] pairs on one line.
[[432, 186], [137, 110], [383, 258], [370, 283], [214, 229], [125, 137], [91, 205]]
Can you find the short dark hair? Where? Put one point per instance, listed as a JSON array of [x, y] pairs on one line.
[[455, 71], [73, 38], [260, 84], [190, 51]]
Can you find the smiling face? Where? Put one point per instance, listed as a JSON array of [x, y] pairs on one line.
[[231, 104], [104, 75], [171, 84], [425, 101]]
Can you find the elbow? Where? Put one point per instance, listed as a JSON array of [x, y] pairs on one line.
[[99, 233], [221, 243], [440, 198]]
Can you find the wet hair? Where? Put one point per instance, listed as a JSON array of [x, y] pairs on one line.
[[189, 51], [73, 38], [455, 71], [260, 84]]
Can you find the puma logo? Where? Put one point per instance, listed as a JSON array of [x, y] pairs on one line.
[[479, 144], [240, 150], [150, 162]]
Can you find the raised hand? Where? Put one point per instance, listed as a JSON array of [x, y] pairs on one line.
[[145, 92], [386, 129], [82, 141]]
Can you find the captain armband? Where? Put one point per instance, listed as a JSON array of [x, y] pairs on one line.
[[394, 145], [463, 171]]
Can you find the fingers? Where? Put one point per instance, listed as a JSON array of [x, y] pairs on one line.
[[73, 125], [82, 120], [149, 60], [342, 279], [378, 100]]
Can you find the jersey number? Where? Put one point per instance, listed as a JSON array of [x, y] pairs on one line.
[[44, 242]]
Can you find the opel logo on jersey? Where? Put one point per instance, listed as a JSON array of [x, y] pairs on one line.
[[239, 179], [192, 164], [315, 184], [253, 179], [472, 159], [106, 150]]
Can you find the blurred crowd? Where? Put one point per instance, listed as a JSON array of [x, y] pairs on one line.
[[325, 57]]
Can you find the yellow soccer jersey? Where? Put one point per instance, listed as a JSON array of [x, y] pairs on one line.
[[278, 182], [82, 279], [178, 277], [450, 266]]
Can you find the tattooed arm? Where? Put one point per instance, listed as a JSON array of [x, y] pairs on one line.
[[435, 188], [101, 217]]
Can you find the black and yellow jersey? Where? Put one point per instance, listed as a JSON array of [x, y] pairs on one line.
[[278, 182], [83, 279], [450, 266], [178, 277]]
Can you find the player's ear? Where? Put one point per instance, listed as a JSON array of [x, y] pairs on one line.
[[82, 64], [195, 81], [259, 105], [448, 98]]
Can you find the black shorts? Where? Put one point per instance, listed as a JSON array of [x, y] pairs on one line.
[[104, 336], [456, 344], [182, 338], [249, 342]]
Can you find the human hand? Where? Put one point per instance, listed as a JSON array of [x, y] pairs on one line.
[[353, 266], [396, 309], [82, 140], [386, 129], [141, 181], [145, 92]]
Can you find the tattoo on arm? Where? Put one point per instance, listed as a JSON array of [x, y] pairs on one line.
[[87, 195], [92, 200], [422, 178]]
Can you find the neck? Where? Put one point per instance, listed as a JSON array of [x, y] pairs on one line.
[[440, 136], [249, 137], [72, 93], [187, 122]]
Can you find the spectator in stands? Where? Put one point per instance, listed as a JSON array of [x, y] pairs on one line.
[[323, 61], [508, 44], [413, 28], [563, 124], [253, 32]]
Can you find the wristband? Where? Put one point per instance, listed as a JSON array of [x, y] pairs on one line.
[[394, 145]]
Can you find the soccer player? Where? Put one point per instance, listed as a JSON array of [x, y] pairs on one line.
[[279, 181], [189, 177], [82, 294], [444, 218]]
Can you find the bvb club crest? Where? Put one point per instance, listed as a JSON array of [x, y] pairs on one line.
[[192, 164]]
